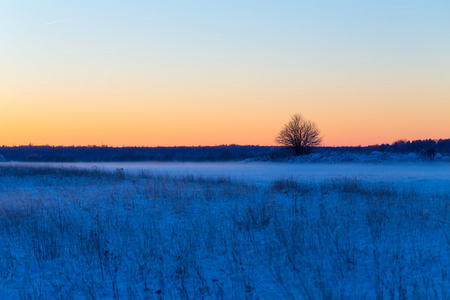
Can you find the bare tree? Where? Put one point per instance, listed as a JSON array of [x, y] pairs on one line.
[[300, 135]]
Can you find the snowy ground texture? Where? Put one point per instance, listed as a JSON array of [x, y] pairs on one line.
[[186, 231]]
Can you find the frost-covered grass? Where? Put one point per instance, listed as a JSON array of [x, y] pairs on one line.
[[73, 233]]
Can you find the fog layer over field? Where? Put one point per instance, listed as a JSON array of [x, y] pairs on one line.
[[429, 175]]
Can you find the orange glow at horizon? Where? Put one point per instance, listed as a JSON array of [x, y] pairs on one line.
[[58, 119]]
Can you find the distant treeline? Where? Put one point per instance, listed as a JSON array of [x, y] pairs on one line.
[[200, 153], [105, 153], [441, 146], [417, 146]]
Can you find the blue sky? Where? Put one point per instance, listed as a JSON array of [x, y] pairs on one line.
[[257, 61]]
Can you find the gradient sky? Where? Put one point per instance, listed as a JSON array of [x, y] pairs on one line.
[[151, 73]]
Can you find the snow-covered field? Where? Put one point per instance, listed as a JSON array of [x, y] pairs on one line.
[[227, 231]]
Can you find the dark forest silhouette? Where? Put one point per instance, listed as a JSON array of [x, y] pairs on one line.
[[105, 153], [200, 153]]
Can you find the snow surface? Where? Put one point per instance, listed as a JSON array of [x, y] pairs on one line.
[[342, 231]]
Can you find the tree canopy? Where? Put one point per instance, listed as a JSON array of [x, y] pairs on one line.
[[300, 135]]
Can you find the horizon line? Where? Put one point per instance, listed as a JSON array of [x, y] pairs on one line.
[[198, 146]]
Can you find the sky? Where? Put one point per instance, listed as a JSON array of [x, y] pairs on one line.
[[172, 73]]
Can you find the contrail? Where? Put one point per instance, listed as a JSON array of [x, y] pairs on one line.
[[59, 21]]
